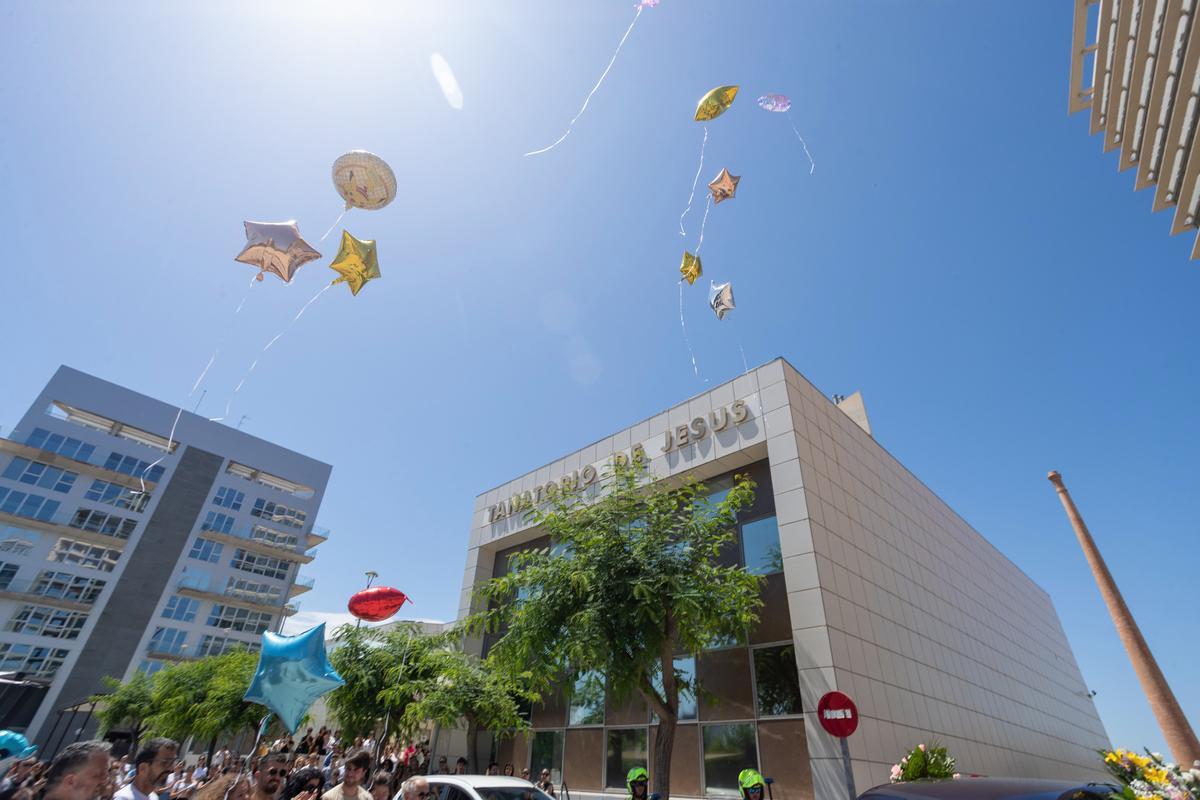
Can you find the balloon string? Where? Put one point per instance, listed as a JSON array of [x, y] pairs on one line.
[[274, 339], [195, 386], [812, 164], [334, 225], [703, 222], [695, 181], [683, 326], [595, 88]]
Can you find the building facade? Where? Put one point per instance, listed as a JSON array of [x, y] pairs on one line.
[[124, 548], [873, 587]]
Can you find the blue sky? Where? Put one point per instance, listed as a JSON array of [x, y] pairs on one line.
[[964, 254]]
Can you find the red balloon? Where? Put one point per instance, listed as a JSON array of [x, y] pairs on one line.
[[377, 603]]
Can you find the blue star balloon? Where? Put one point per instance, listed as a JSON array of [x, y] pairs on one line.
[[13, 746], [292, 672]]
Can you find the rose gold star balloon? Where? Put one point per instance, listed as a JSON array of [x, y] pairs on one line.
[[276, 247], [724, 186]]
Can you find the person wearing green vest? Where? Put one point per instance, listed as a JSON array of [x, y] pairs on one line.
[[751, 784], [637, 780]]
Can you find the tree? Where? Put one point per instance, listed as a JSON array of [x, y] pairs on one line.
[[126, 705], [204, 698], [456, 686], [635, 577], [379, 668]]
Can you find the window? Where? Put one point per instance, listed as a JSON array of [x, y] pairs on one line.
[[547, 753], [216, 645], [167, 640], [130, 465], [41, 662], [31, 506], [43, 621], [149, 666], [260, 565], [777, 680], [760, 546], [277, 512], [113, 494], [728, 749], [240, 619], [254, 590], [92, 556], [685, 673], [229, 498], [718, 490], [181, 608], [262, 533], [66, 586], [35, 473], [206, 550], [626, 750], [267, 479], [215, 521], [61, 445], [587, 700], [96, 422], [87, 519], [7, 573], [16, 546]]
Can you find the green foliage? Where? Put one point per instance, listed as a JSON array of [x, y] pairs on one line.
[[923, 762], [125, 705], [634, 578], [204, 698], [454, 685]]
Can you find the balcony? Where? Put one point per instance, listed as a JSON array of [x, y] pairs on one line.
[[317, 535], [71, 598], [201, 589], [93, 465], [300, 586], [264, 540], [59, 524]]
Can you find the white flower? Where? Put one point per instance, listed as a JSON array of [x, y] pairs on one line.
[[921, 747]]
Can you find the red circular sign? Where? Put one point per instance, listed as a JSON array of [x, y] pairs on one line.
[[838, 714]]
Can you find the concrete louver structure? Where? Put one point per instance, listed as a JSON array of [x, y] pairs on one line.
[[1136, 66]]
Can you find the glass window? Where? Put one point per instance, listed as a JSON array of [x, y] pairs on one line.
[[229, 498], [43, 621], [587, 700], [69, 551], [206, 550], [277, 512], [685, 670], [41, 662], [547, 753], [239, 619], [778, 681], [16, 546], [64, 446], [167, 640], [7, 573], [116, 495], [626, 750], [66, 586], [99, 522], [728, 749], [181, 608], [215, 521], [130, 465], [35, 473], [760, 546], [150, 667], [31, 506], [260, 565]]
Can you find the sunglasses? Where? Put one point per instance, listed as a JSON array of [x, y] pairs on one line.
[[757, 789], [275, 773]]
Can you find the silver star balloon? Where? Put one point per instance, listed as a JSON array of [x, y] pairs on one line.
[[720, 297], [276, 247]]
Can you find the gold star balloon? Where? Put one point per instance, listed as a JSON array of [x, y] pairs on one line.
[[690, 268], [356, 263], [724, 186], [715, 103]]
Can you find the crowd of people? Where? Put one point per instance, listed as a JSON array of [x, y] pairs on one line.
[[315, 768]]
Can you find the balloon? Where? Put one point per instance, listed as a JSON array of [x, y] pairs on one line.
[[720, 297], [690, 268], [724, 186], [715, 103], [276, 247], [292, 672], [13, 746], [356, 262], [646, 4], [377, 603], [364, 180], [446, 81], [775, 102]]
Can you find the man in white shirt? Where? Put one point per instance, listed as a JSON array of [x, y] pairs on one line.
[[201, 773], [152, 765], [358, 762]]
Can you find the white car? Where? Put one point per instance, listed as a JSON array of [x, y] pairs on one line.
[[481, 787]]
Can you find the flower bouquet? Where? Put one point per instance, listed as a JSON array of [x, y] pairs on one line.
[[924, 763], [1149, 777]]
